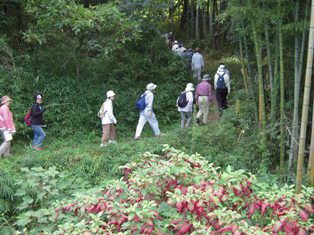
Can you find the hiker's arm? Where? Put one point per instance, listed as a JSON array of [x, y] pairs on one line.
[[109, 110], [227, 81], [149, 104]]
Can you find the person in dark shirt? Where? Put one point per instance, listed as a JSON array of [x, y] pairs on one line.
[[37, 122]]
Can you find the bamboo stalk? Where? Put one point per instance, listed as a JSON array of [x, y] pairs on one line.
[[305, 107]]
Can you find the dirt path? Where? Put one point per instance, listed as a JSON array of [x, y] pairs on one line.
[[213, 110]]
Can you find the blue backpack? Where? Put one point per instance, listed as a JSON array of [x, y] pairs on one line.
[[221, 81], [140, 103]]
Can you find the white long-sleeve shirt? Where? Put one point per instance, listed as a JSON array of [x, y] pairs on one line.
[[197, 60], [149, 100], [108, 117], [189, 106]]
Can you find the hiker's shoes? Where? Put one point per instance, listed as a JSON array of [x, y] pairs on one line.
[[37, 149], [103, 145], [137, 138], [112, 142]]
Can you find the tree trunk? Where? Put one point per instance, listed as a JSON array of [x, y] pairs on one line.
[[171, 15], [261, 96], [251, 82], [204, 21], [311, 158], [269, 57], [299, 54], [197, 18], [192, 18], [243, 69], [305, 107], [282, 102], [184, 18], [210, 24]]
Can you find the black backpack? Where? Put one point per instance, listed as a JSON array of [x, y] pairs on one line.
[[182, 100]]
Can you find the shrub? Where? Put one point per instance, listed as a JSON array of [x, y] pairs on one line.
[[175, 193]]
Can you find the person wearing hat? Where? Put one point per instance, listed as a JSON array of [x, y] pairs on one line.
[[203, 96], [7, 127], [108, 121], [222, 65], [186, 112], [148, 115], [197, 64], [37, 111], [175, 46], [222, 87]]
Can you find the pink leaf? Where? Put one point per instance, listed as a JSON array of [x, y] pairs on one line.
[[304, 215]]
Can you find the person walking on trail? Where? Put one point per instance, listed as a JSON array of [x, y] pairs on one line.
[[7, 127], [203, 97], [175, 46], [186, 111], [108, 121], [37, 111], [197, 64], [222, 87], [147, 114], [225, 68]]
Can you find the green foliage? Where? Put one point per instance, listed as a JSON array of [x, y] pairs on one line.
[[61, 20], [37, 190]]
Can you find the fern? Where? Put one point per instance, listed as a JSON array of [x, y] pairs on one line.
[[6, 187]]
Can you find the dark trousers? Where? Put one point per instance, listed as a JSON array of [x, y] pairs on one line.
[[221, 96]]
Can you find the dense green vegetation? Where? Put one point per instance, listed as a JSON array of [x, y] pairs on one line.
[[74, 51]]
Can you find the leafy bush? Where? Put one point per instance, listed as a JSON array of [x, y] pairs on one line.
[[180, 194], [36, 192]]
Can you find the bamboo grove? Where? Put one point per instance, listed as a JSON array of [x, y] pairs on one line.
[[272, 37]]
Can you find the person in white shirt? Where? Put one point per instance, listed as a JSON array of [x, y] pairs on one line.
[[175, 46], [186, 112], [148, 115], [197, 64], [108, 121], [222, 86]]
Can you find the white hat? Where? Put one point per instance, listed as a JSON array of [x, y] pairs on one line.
[[175, 42], [221, 68], [151, 86], [189, 87], [110, 94], [206, 77]]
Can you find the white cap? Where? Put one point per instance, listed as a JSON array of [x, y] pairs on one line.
[[221, 68], [189, 87], [151, 86], [110, 94], [39, 97]]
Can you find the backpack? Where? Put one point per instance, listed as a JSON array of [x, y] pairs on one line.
[[221, 81], [101, 112], [28, 118], [140, 103], [182, 100]]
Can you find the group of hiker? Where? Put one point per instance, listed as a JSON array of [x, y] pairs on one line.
[[184, 103], [202, 97], [7, 127]]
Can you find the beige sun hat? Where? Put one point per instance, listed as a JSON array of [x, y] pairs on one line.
[[206, 77], [5, 99], [151, 86]]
